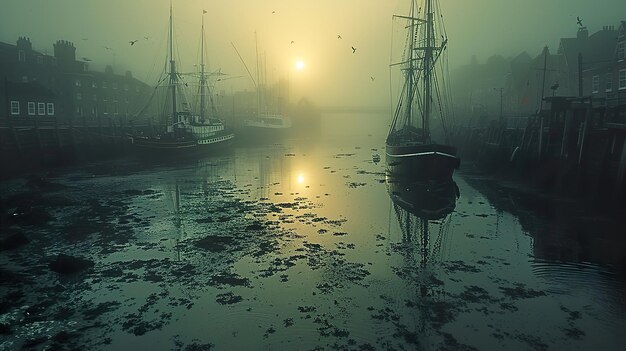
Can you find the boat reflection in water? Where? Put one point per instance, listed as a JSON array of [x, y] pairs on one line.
[[418, 206], [425, 200]]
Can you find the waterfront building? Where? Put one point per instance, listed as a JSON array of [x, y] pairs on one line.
[[30, 100], [605, 79], [84, 97]]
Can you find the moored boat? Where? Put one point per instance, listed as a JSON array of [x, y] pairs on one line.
[[411, 151], [269, 123], [185, 132]]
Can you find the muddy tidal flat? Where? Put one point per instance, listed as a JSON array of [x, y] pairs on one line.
[[299, 244]]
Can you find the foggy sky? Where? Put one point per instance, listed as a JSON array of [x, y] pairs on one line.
[[333, 75]]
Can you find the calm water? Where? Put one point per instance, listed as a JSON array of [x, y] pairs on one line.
[[298, 245]]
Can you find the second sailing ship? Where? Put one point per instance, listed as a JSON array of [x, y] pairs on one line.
[[184, 132]]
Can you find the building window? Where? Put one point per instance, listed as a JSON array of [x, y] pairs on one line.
[[609, 82], [79, 110], [115, 109], [31, 108], [21, 56], [114, 85], [125, 87], [104, 98], [622, 79], [24, 79], [94, 84], [621, 50], [104, 84], [79, 96], [41, 108], [15, 107], [78, 82], [40, 60], [595, 84], [95, 97], [50, 107]]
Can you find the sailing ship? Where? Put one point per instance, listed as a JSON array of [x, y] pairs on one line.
[[185, 132], [411, 151], [268, 122]]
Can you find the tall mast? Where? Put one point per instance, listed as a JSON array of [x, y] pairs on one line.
[[173, 76], [202, 72], [266, 96], [428, 58], [258, 87], [410, 92]]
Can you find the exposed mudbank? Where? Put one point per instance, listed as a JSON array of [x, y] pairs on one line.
[[101, 259]]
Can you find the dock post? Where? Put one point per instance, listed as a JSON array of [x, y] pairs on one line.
[[565, 135], [584, 134], [621, 170]]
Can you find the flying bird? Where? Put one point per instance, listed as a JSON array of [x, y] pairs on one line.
[[146, 38], [86, 59], [292, 41], [84, 38], [338, 36], [273, 12], [372, 78], [132, 42], [107, 48], [353, 49], [579, 21]]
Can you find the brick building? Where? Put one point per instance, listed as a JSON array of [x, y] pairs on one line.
[[83, 97]]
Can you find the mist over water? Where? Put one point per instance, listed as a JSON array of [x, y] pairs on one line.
[[304, 244]]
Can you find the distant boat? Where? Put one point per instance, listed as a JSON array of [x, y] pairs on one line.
[[185, 132], [411, 151], [268, 122]]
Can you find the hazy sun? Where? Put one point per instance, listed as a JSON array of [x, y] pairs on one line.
[[299, 65], [301, 178]]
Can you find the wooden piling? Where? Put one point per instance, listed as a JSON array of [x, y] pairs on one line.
[[621, 170]]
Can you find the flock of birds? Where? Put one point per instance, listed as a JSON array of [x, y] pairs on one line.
[[134, 41], [338, 37]]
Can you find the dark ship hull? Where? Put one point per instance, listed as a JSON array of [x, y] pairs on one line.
[[417, 161], [177, 146]]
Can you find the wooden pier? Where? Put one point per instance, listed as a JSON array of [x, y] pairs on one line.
[[40, 143], [574, 144]]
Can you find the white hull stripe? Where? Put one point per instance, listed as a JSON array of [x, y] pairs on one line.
[[216, 140], [422, 154]]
